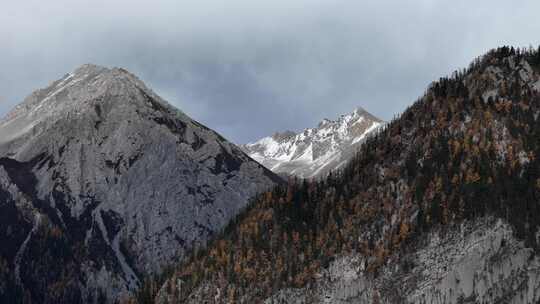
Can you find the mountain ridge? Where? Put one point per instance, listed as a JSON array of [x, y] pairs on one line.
[[440, 206]]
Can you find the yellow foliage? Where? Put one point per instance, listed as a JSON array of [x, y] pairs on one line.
[[250, 274], [455, 179], [472, 177], [238, 266], [456, 147], [404, 230], [503, 106], [55, 232], [267, 215]]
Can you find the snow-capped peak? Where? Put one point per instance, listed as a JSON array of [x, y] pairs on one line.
[[314, 151]]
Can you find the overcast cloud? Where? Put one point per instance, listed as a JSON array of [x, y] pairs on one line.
[[250, 68]]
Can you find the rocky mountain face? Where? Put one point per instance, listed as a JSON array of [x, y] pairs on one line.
[[441, 206], [314, 152], [102, 183]]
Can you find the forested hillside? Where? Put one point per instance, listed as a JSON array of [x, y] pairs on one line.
[[467, 150]]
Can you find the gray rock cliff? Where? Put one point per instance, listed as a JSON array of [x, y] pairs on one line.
[[120, 181]]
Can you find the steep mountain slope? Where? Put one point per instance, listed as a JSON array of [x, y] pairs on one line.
[[441, 206], [315, 151], [103, 182]]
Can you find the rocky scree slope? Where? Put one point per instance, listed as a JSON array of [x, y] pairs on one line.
[[441, 206], [315, 152], [102, 183]]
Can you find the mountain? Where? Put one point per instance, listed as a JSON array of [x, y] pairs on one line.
[[103, 183], [441, 206], [316, 151]]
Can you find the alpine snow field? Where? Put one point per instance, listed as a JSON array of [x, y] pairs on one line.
[[315, 152]]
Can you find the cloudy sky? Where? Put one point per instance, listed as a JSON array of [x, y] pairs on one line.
[[249, 68]]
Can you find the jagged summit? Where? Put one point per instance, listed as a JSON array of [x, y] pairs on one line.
[[360, 111], [285, 135], [315, 151], [356, 113], [90, 68]]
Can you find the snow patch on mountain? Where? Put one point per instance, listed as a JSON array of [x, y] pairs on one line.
[[315, 151]]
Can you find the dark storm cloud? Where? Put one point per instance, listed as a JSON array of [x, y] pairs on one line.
[[249, 68]]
